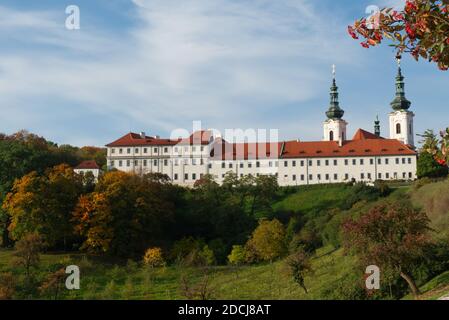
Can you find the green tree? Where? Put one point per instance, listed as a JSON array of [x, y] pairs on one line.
[[427, 166], [394, 236], [237, 256], [28, 251]]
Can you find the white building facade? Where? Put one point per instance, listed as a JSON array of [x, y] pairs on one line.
[[367, 157]]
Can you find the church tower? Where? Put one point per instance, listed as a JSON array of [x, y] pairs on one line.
[[401, 119], [334, 126]]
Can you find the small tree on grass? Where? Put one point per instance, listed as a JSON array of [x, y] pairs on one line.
[[28, 251], [237, 256], [300, 266], [201, 290], [153, 258], [53, 284], [393, 236]]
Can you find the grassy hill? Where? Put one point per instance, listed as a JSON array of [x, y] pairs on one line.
[[334, 275]]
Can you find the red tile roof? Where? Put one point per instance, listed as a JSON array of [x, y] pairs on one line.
[[364, 135], [364, 143], [203, 137], [133, 139], [245, 151], [88, 164]]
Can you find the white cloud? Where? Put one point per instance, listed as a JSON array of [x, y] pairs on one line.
[[222, 62]]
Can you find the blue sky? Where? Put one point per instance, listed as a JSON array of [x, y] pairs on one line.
[[158, 65]]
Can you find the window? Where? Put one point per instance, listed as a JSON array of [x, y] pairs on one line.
[[120, 163], [397, 160], [176, 176], [318, 177], [362, 162], [166, 150], [193, 149], [294, 163], [294, 177], [387, 175], [310, 177], [210, 165], [202, 148], [387, 161], [144, 163], [112, 150], [194, 162], [112, 163], [346, 162], [201, 161], [302, 163], [371, 161], [193, 176], [270, 164], [155, 150], [318, 163], [302, 177], [120, 150], [346, 176], [155, 162], [223, 165], [136, 150], [186, 176], [409, 160], [410, 175], [241, 165], [176, 149], [403, 175], [362, 176], [128, 151], [398, 128], [310, 163], [327, 162], [165, 162], [230, 165], [335, 176], [369, 176], [354, 162], [335, 162], [145, 150], [286, 164], [128, 163], [403, 160], [327, 176], [379, 161], [176, 162], [257, 164], [331, 136], [250, 165]]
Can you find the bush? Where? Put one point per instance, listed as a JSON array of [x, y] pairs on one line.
[[7, 286], [429, 167], [153, 258]]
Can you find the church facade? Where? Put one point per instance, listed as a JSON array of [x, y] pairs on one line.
[[366, 157]]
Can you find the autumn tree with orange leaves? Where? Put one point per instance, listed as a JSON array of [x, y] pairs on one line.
[[420, 29], [125, 214]]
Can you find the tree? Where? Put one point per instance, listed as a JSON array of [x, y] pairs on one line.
[[267, 242], [428, 167], [43, 204], [300, 266], [125, 214], [237, 256], [420, 29], [394, 236], [28, 251], [53, 284], [153, 258]]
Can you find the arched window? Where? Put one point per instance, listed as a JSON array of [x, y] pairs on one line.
[[331, 136], [398, 128]]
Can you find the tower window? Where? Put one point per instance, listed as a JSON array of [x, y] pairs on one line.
[[331, 136], [398, 128]]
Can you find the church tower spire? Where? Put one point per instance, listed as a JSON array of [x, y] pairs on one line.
[[401, 119], [334, 126], [377, 126]]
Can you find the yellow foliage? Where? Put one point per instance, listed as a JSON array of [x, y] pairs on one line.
[[153, 257]]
